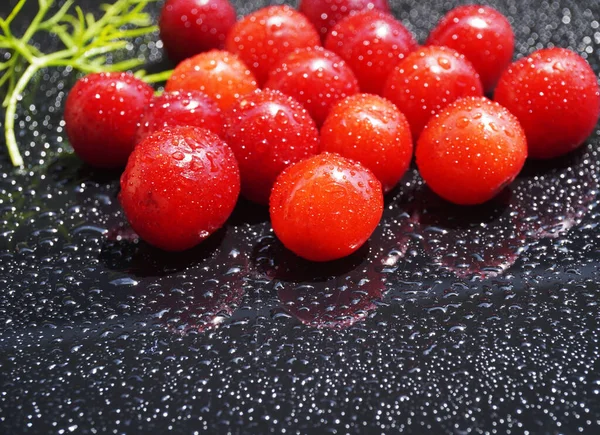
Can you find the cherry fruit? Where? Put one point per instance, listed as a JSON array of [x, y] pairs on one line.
[[102, 114], [180, 186]]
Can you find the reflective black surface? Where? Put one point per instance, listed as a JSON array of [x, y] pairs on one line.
[[451, 320]]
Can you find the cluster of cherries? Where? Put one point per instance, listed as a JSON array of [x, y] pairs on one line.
[[315, 112]]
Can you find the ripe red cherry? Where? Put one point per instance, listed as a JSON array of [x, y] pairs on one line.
[[372, 43], [219, 74], [324, 14], [264, 37], [470, 151], [325, 207], [102, 114], [180, 186], [315, 77], [482, 34], [189, 27], [555, 96], [427, 80], [180, 108], [370, 130], [268, 131]]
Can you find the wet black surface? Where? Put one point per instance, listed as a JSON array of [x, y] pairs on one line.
[[471, 320]]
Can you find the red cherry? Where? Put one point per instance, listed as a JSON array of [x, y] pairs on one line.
[[266, 36], [102, 114], [427, 80], [219, 74], [180, 186], [171, 109], [372, 43], [268, 131], [471, 151], [324, 14], [189, 27], [325, 207], [315, 77], [482, 34], [554, 94], [370, 130]]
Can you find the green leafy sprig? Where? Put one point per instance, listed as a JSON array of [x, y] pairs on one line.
[[87, 42]]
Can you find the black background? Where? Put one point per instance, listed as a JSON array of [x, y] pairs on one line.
[[472, 320]]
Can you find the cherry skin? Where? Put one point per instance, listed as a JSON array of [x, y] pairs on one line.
[[102, 113], [471, 150], [180, 108], [315, 77], [427, 80], [264, 37], [219, 74], [371, 130], [268, 131], [189, 27], [371, 42], [180, 185], [325, 207], [554, 94], [483, 35], [324, 14]]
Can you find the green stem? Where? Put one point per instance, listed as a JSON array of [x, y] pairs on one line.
[[158, 77], [24, 50], [15, 12], [11, 111], [35, 23]]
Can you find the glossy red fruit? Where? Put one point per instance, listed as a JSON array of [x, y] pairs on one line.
[[554, 93], [482, 34], [102, 114], [189, 27], [267, 132], [180, 185], [325, 207], [219, 74], [266, 36], [171, 109], [315, 77], [427, 80], [471, 151], [324, 14], [371, 130], [372, 43]]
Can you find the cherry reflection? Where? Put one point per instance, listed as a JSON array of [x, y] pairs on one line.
[[547, 201], [332, 295], [471, 241], [194, 290], [554, 196]]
